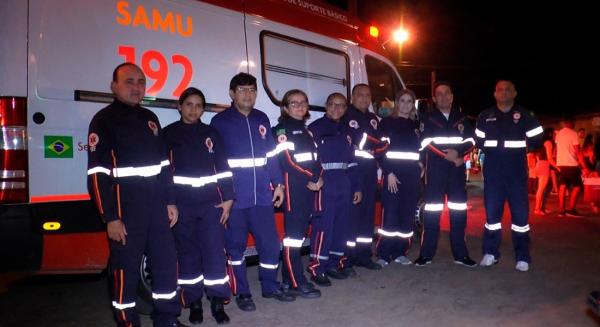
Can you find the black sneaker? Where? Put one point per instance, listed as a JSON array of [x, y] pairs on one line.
[[422, 261], [573, 213], [321, 280], [371, 265], [280, 296], [466, 261], [217, 310], [196, 314], [245, 303], [349, 271], [336, 274], [307, 291]]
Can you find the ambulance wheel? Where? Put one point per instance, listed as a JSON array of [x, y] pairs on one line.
[[144, 304]]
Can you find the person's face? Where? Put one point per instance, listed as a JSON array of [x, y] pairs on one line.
[[361, 98], [443, 97], [244, 97], [192, 109], [405, 105], [505, 92], [581, 133], [336, 108], [130, 86], [297, 106]]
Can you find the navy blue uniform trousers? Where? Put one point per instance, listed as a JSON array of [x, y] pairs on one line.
[[200, 243], [260, 221], [146, 221], [362, 216]]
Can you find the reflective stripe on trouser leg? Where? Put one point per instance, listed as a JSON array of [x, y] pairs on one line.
[[365, 211], [236, 236], [399, 212], [212, 239], [261, 222], [518, 202], [494, 197], [296, 223], [341, 201], [189, 259], [457, 207]]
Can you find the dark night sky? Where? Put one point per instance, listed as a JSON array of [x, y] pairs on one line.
[[547, 49]]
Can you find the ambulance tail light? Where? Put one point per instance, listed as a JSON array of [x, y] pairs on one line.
[[13, 150]]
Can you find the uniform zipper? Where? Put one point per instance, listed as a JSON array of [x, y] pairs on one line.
[[253, 160]]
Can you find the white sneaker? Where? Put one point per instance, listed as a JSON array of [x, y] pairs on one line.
[[488, 260], [403, 260], [522, 266], [382, 263]]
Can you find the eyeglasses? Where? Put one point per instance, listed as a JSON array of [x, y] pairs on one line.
[[337, 105], [250, 90], [298, 104]]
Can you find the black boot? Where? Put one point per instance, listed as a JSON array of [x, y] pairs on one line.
[[218, 311], [196, 312]]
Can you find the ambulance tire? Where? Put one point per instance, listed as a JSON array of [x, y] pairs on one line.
[[143, 303]]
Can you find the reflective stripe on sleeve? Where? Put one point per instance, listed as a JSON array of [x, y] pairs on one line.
[[520, 229], [247, 163], [402, 155], [515, 144], [304, 156], [341, 254], [235, 262], [479, 133], [496, 226], [98, 169], [280, 147], [201, 181], [363, 140], [364, 240], [363, 154], [490, 143], [536, 131], [350, 244], [144, 171]]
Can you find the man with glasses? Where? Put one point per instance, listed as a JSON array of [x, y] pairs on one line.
[[340, 190], [258, 183]]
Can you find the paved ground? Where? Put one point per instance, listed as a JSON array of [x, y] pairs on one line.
[[565, 269]]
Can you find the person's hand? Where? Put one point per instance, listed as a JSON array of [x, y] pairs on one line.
[[392, 182], [278, 196], [459, 161], [312, 186], [116, 231], [320, 183], [451, 155], [357, 198], [173, 214], [226, 206]]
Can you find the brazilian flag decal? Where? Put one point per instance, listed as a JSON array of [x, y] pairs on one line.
[[56, 146]]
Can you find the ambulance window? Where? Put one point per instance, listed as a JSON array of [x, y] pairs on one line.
[[289, 63], [383, 81]]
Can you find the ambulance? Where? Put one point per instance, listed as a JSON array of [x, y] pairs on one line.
[[56, 63]]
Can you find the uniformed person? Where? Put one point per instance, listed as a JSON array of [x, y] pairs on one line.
[[506, 132], [402, 172], [131, 184], [341, 189], [446, 136], [366, 137], [204, 193], [258, 183], [302, 176]]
